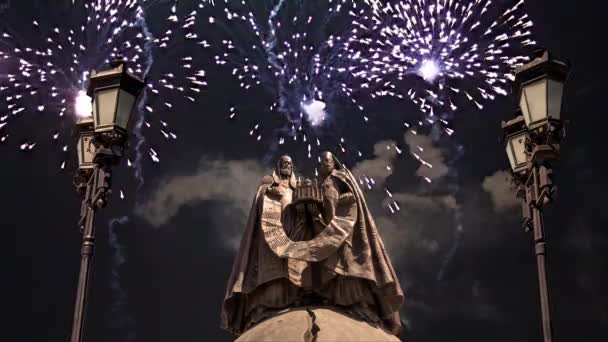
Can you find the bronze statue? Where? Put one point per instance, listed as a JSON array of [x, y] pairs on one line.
[[311, 243]]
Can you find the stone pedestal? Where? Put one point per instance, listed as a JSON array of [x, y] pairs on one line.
[[315, 324]]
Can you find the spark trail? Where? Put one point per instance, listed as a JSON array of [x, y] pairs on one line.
[[121, 319]]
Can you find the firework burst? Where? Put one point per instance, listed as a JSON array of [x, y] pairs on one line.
[[47, 72], [320, 60], [49, 75], [438, 53], [293, 51], [315, 58]]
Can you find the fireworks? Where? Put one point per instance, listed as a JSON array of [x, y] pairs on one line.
[[50, 74], [319, 60], [316, 64], [438, 52], [47, 71], [316, 58], [283, 48]]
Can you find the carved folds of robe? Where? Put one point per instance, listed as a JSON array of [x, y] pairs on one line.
[[287, 260]]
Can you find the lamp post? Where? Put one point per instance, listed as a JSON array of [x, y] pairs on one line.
[[101, 143], [532, 142]]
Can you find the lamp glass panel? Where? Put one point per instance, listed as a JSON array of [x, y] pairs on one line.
[[126, 101], [88, 148], [516, 150], [536, 98], [555, 92], [106, 106], [519, 147], [511, 156]]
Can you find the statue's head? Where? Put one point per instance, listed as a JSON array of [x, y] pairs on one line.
[[328, 163], [285, 166]]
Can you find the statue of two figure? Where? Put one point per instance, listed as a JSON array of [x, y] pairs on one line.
[[311, 244]]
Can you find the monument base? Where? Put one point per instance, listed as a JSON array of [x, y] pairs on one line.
[[318, 324]]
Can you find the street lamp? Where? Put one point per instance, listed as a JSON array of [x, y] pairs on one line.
[[532, 141], [539, 86], [101, 143]]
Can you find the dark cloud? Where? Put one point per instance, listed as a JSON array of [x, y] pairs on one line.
[[422, 237], [500, 189], [433, 159], [380, 167], [231, 182], [408, 235], [416, 230]]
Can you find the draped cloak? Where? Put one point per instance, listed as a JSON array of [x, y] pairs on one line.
[[257, 273], [363, 256], [349, 247]]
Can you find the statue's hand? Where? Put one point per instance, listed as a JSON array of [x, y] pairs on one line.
[[347, 199], [275, 191]]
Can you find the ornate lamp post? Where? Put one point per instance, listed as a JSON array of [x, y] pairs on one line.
[[532, 141], [101, 143]]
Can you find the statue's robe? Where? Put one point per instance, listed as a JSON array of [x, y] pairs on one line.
[[280, 263], [262, 283], [358, 276]]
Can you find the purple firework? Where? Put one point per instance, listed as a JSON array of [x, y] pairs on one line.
[[437, 52], [47, 72]]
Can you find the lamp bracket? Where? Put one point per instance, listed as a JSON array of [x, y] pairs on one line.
[[542, 154], [109, 138], [110, 155]]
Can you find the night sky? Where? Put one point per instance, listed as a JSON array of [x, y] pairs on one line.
[[160, 275]]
